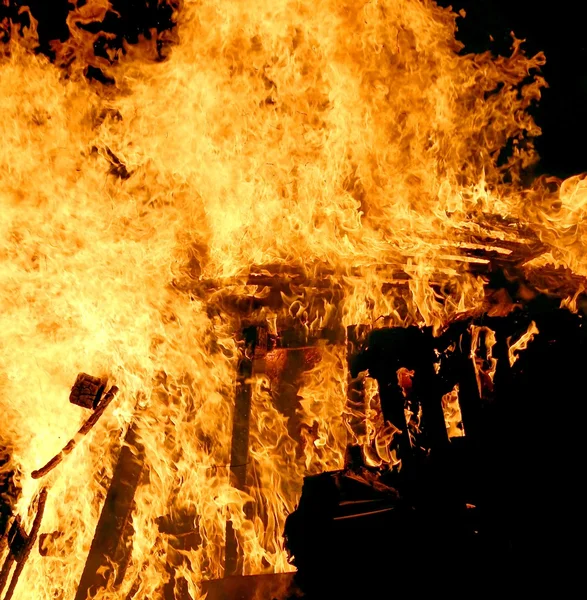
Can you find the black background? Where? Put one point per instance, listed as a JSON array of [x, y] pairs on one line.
[[559, 30]]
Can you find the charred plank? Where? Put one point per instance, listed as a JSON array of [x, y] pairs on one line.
[[239, 453], [112, 540]]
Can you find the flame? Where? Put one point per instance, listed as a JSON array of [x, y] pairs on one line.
[[366, 425], [155, 195], [452, 413], [413, 414], [514, 348], [485, 364]]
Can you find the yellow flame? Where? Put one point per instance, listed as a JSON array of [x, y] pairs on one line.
[[453, 418], [521, 343]]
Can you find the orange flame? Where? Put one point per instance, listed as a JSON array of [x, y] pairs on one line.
[[484, 362]]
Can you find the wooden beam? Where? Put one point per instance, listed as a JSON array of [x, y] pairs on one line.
[[239, 452], [114, 530]]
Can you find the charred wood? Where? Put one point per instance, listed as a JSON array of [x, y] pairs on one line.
[[83, 431], [87, 391], [239, 453], [111, 546], [20, 547], [489, 508]]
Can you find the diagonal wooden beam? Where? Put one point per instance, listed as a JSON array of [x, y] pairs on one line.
[[110, 545]]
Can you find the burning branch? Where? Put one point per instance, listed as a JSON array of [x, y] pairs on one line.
[[21, 545], [83, 430]]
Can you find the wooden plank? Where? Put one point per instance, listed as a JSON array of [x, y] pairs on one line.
[[83, 431], [114, 530]]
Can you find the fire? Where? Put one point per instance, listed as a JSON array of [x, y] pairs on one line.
[[154, 196], [452, 413], [521, 343], [484, 363]]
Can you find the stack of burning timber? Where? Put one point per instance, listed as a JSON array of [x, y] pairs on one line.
[[485, 425], [487, 421]]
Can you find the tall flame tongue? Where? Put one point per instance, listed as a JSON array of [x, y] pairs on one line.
[[345, 145]]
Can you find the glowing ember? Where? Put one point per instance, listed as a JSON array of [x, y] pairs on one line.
[[154, 195]]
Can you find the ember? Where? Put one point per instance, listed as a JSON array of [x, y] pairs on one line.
[[293, 254]]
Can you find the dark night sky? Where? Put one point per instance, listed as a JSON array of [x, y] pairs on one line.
[[559, 30]]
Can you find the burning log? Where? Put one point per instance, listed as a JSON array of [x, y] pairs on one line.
[[83, 431], [87, 391], [20, 546], [111, 544]]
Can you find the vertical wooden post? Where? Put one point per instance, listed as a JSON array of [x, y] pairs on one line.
[[239, 453]]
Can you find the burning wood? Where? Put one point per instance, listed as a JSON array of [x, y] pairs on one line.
[[20, 547], [83, 430], [112, 543], [87, 391], [521, 343], [321, 174], [475, 479], [452, 413], [239, 453]]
